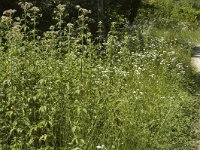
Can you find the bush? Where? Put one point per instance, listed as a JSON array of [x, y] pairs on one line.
[[169, 14]]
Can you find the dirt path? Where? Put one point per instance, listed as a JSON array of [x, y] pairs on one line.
[[196, 58], [196, 64]]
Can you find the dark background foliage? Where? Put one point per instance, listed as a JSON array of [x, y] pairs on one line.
[[104, 10]]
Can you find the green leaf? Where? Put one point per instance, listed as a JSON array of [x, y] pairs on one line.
[[43, 109], [43, 137]]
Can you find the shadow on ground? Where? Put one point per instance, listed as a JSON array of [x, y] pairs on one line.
[[196, 51], [196, 79]]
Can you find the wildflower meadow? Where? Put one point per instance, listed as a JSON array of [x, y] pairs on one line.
[[66, 89]]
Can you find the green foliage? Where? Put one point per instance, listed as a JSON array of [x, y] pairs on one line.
[[62, 90], [180, 14], [103, 10]]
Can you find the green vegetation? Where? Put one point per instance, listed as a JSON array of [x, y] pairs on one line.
[[67, 89], [106, 11]]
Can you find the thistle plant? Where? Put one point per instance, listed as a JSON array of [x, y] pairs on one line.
[[69, 35], [26, 7], [100, 39], [34, 15]]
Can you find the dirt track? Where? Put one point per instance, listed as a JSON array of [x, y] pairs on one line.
[[196, 64], [196, 58]]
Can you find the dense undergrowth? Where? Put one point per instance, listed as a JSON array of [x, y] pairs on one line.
[[67, 90]]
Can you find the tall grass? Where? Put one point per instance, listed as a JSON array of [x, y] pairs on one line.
[[63, 90]]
